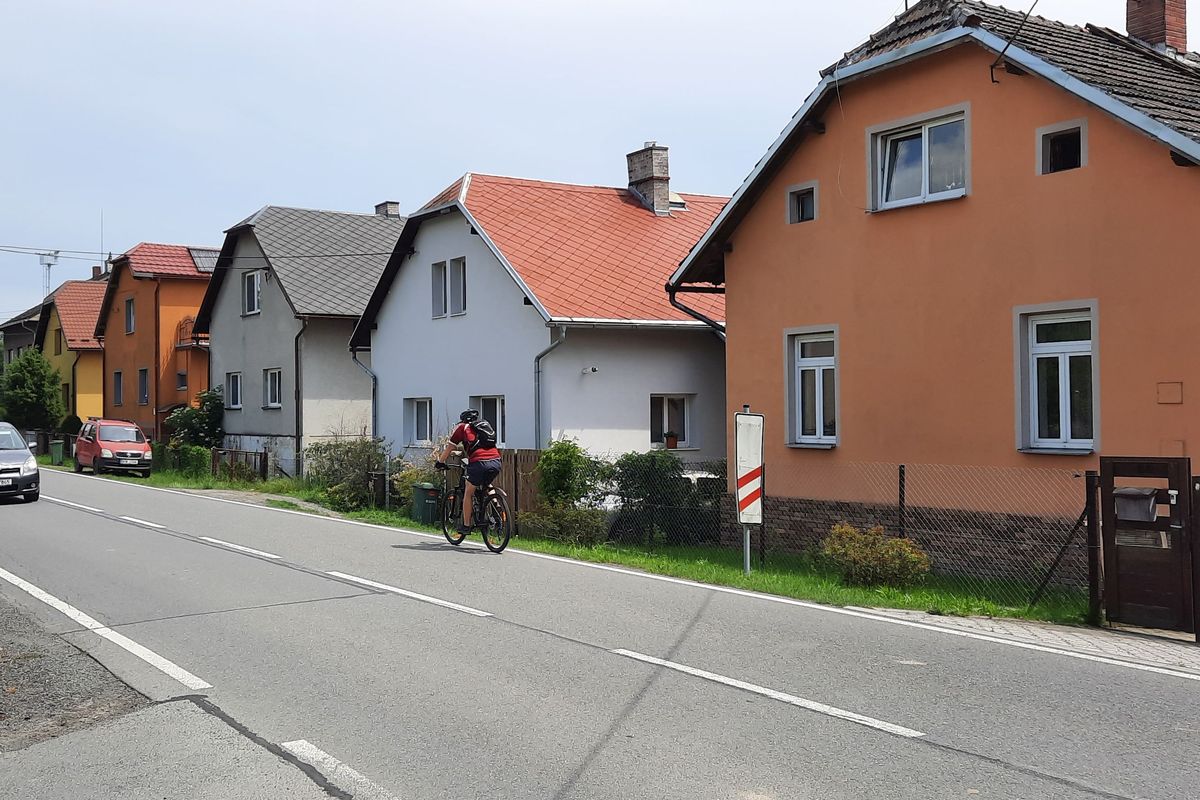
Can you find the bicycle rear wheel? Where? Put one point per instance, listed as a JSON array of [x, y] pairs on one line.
[[497, 523], [450, 518]]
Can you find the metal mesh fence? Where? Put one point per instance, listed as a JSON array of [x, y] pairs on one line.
[[1012, 537]]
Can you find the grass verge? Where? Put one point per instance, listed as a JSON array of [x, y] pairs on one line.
[[789, 575]]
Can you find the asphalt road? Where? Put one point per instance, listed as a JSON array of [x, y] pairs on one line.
[[458, 673]]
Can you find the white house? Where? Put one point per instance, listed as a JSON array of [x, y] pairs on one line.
[[543, 306], [288, 288]]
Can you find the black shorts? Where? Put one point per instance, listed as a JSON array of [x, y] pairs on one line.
[[481, 473]]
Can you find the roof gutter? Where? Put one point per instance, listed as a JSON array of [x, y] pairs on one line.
[[691, 312], [374, 391], [537, 386]]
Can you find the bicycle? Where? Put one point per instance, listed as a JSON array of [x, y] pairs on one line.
[[490, 515]]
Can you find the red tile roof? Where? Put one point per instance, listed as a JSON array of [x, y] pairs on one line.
[[170, 260], [591, 252], [78, 305]]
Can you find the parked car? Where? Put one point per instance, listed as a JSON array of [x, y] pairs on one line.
[[113, 445], [19, 473]]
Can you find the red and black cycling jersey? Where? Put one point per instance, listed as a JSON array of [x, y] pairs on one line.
[[465, 436]]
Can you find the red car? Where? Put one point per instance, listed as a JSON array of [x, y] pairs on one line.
[[114, 445]]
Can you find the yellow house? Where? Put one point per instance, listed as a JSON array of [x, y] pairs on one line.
[[66, 335]]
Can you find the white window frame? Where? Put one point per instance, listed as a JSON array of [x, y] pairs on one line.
[[416, 406], [685, 436], [456, 277], [793, 209], [118, 387], [439, 289], [878, 137], [130, 316], [248, 308], [477, 402], [273, 374], [797, 365], [1064, 351], [144, 372], [232, 379]]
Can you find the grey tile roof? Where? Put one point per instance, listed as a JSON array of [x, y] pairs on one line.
[[328, 262], [205, 258], [1164, 87]]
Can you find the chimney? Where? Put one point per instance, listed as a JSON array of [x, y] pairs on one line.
[[97, 271], [649, 178], [388, 208], [1159, 23]]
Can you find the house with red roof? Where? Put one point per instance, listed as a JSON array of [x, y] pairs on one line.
[[66, 335], [542, 306], [154, 363]]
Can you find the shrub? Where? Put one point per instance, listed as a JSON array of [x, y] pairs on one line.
[[567, 474], [406, 477], [30, 391], [654, 478], [71, 425], [194, 462], [199, 426], [343, 469], [562, 523], [872, 558]]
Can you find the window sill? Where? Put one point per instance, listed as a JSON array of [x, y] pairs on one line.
[[811, 445], [271, 408], [233, 408], [251, 313], [917, 202], [459, 314], [680, 449], [1057, 451]]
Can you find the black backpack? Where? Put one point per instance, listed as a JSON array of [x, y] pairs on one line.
[[485, 434]]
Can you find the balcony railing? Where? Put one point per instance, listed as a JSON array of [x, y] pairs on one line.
[[186, 336]]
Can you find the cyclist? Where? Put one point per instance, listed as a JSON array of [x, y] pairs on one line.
[[478, 438]]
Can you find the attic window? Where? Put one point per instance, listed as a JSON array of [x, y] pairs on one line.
[[1062, 147], [802, 203]]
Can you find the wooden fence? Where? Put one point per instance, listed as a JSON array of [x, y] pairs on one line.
[[519, 479]]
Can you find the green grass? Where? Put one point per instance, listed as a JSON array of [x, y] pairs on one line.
[[788, 575]]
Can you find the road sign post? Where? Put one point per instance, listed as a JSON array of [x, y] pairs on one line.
[[748, 469]]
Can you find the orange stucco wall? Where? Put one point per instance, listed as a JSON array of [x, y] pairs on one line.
[[924, 297], [151, 346]]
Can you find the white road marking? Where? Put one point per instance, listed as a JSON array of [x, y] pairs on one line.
[[783, 697], [770, 598], [340, 775], [149, 656], [251, 550], [137, 521], [424, 598], [80, 506]]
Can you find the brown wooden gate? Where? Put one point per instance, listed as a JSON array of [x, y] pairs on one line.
[[1146, 519]]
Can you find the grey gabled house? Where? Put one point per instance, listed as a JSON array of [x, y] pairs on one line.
[[289, 286]]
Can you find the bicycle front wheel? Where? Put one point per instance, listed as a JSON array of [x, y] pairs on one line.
[[498, 523], [450, 518]]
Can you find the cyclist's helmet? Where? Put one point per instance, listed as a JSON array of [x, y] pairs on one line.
[[468, 416]]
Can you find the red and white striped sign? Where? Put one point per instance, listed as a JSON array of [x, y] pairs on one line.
[[748, 462]]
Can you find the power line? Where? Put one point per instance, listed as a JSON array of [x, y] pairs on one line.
[[101, 256]]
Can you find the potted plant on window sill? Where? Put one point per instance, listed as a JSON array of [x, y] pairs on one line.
[[671, 438]]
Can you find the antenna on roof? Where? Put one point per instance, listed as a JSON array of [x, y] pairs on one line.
[[1012, 39], [47, 260]]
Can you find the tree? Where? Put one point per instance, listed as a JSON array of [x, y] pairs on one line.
[[31, 393], [199, 426]]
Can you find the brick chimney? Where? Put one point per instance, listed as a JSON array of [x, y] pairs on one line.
[[649, 177], [388, 208], [1159, 23], [97, 271]]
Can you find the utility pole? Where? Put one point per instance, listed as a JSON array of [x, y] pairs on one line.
[[47, 261]]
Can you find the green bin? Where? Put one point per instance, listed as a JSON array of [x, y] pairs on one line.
[[425, 497], [56, 452]]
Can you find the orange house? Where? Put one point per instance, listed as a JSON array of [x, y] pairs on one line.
[[153, 364], [975, 244]]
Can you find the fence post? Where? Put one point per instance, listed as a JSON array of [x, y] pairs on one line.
[[902, 500], [213, 462], [1092, 482]]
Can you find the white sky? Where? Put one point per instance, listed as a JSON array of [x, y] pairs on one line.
[[179, 119]]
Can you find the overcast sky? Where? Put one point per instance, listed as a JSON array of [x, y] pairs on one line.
[[179, 119]]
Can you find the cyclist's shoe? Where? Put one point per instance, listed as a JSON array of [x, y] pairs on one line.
[[464, 528]]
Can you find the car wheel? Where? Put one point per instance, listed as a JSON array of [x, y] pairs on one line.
[[32, 497]]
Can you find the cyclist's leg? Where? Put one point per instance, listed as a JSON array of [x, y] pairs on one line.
[[468, 506]]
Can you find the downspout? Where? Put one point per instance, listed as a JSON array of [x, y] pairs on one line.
[[537, 386], [691, 312], [153, 400], [374, 391], [297, 466]]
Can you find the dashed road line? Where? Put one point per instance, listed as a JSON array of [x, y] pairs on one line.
[[343, 777], [137, 521], [250, 550], [424, 598], [149, 656], [80, 506], [783, 697]]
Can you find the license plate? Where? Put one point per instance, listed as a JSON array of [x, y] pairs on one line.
[[129, 461], [5, 481]]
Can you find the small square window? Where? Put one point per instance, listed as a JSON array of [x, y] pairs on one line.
[[802, 204], [670, 420], [1062, 147], [181, 381]]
